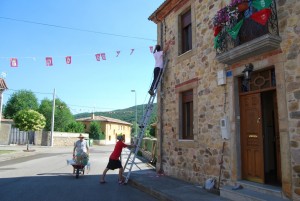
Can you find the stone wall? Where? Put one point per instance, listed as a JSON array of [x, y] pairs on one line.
[[43, 138], [4, 132], [66, 139], [198, 159]]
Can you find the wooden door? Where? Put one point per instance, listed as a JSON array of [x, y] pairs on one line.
[[251, 138]]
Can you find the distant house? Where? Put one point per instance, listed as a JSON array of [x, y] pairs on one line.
[[109, 126]]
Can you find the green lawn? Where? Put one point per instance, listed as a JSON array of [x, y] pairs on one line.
[[6, 151]]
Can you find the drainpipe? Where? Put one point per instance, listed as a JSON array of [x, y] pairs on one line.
[[161, 171]]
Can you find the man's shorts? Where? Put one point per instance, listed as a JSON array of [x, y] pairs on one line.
[[114, 164]]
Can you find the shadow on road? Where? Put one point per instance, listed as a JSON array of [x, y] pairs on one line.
[[64, 186]]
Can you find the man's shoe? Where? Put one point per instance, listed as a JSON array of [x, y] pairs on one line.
[[151, 92]]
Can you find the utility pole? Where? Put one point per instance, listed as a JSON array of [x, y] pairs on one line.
[[3, 87], [52, 119]]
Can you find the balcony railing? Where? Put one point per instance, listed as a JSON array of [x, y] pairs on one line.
[[253, 38]]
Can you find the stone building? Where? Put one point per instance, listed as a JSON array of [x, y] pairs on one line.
[[110, 127], [207, 99]]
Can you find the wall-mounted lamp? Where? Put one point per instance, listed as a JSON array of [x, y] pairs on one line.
[[247, 71], [247, 76]]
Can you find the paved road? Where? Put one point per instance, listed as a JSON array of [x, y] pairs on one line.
[[46, 176]]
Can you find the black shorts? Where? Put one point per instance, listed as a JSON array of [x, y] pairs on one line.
[[114, 164]]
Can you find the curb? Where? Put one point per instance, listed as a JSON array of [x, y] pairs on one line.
[[160, 196]]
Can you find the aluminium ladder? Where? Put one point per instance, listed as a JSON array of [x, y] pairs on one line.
[[142, 125]]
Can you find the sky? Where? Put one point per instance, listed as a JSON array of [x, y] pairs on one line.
[[32, 30]]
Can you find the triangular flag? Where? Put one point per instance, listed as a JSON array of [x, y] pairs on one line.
[[13, 62], [98, 57], [235, 30], [131, 51], [261, 16], [151, 49], [118, 52], [103, 56], [261, 4], [217, 30], [49, 61], [216, 42], [68, 59]]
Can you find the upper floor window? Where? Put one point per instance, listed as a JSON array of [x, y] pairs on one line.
[[186, 32], [187, 114]]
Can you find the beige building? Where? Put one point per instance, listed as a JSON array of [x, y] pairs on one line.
[[206, 99], [110, 127]]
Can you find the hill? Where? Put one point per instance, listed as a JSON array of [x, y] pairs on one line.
[[127, 114]]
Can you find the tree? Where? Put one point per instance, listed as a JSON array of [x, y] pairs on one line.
[[62, 116], [46, 109], [95, 130], [20, 100], [75, 127], [29, 120]]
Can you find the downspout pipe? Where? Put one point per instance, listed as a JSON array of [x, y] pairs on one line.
[[161, 171]]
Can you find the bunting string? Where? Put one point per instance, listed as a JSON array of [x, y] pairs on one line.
[[49, 61]]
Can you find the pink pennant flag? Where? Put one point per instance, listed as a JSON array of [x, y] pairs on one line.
[[68, 59], [103, 56], [98, 57], [131, 51], [118, 52], [49, 61], [13, 62], [151, 49]]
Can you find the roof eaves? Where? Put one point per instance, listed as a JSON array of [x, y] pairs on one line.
[[153, 16]]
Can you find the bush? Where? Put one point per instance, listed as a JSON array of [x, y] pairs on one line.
[[95, 131], [75, 127]]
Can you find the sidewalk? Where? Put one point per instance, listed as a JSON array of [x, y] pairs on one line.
[[143, 178], [169, 189]]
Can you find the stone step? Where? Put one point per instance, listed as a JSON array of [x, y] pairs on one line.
[[246, 195], [261, 188]]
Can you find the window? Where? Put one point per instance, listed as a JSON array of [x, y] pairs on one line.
[[186, 32], [187, 115]]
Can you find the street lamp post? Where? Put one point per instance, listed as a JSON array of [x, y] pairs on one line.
[[135, 112]]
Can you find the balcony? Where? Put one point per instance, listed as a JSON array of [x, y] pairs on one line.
[[253, 38]]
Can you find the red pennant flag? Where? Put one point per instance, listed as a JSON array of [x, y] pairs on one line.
[[49, 61], [151, 49], [98, 57], [13, 62], [68, 59], [118, 52], [103, 56], [131, 51], [261, 16], [217, 30]]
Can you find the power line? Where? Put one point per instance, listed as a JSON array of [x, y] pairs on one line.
[[31, 91], [76, 29]]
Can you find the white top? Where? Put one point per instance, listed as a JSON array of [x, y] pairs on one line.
[[159, 59], [81, 146]]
